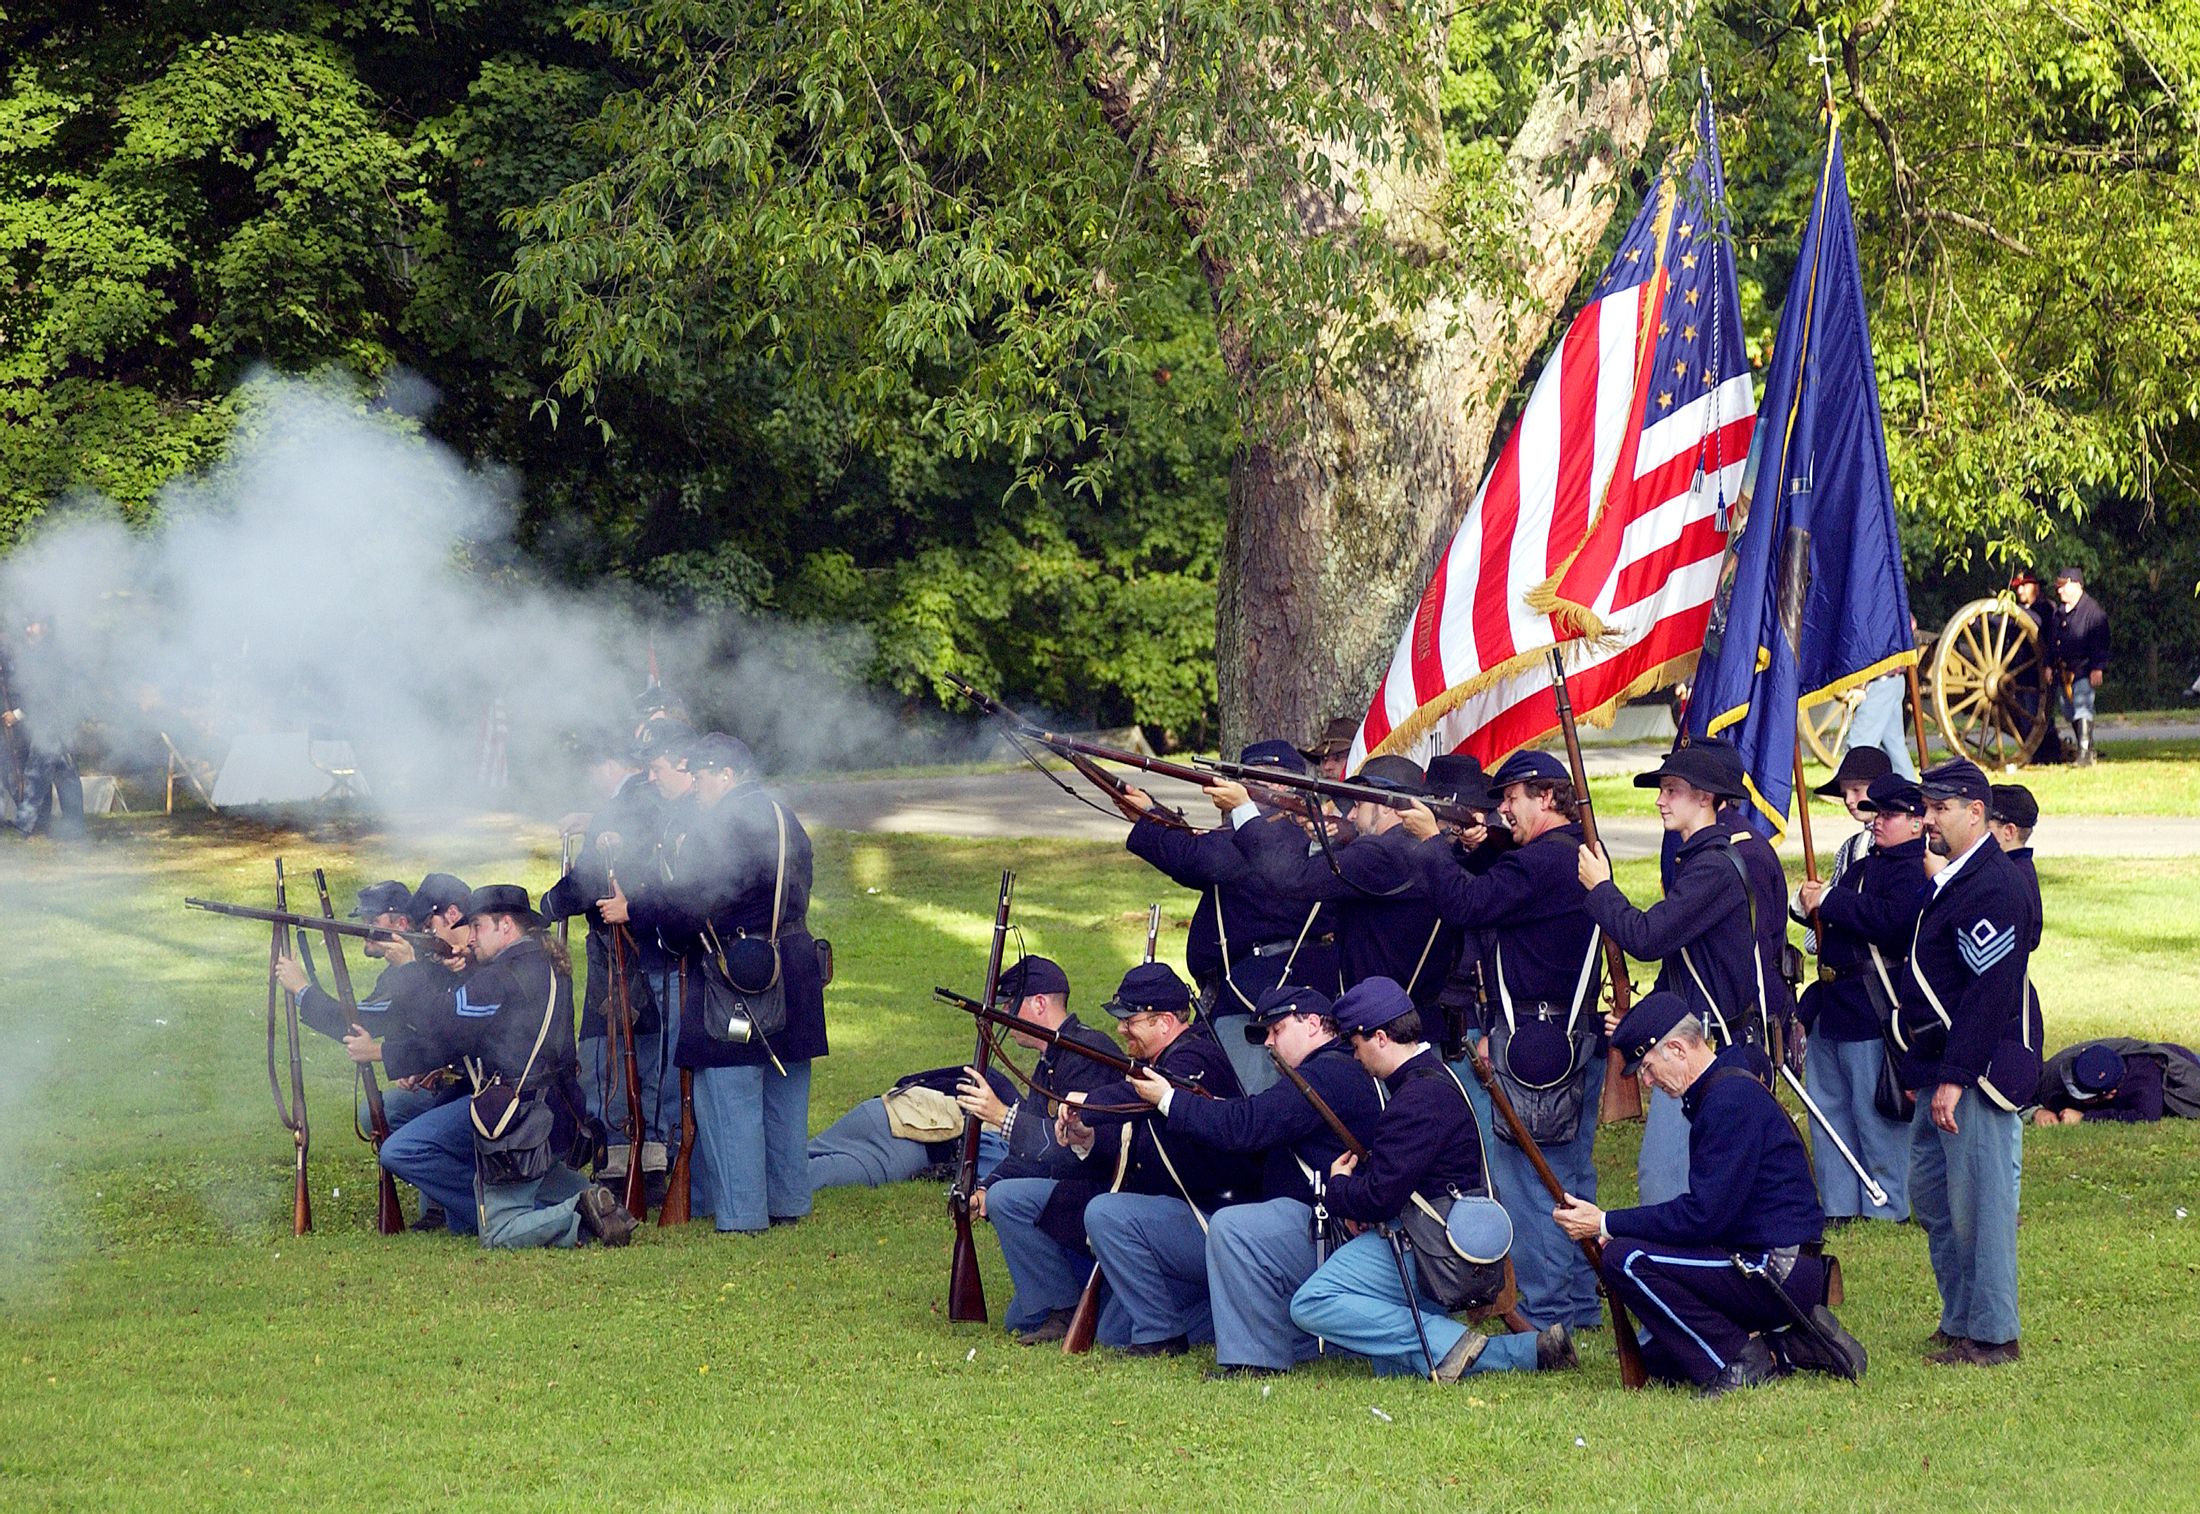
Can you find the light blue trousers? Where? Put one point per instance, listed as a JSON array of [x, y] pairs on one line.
[[1963, 1190], [1258, 1255], [1841, 1076], [434, 1151], [1154, 1256], [542, 1212], [1555, 1280], [1047, 1275], [752, 1127], [860, 1149], [1661, 1170], [1879, 723], [1357, 1301]]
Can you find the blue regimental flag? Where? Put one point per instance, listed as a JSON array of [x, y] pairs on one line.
[[1814, 602]]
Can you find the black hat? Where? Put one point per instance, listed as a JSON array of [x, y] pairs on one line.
[[389, 897], [718, 750], [1031, 975], [2024, 576], [1859, 764], [2071, 575], [2013, 804], [1336, 739], [503, 899], [1273, 754], [2094, 1071], [1957, 778], [1150, 988], [1893, 794], [1458, 776], [1369, 1005], [1281, 1002], [1525, 766], [662, 738], [1713, 766], [437, 891], [1644, 1026], [1398, 774]]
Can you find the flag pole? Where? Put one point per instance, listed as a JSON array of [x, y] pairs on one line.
[[1917, 715], [1622, 1098]]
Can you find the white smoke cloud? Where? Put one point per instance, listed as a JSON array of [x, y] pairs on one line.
[[340, 573]]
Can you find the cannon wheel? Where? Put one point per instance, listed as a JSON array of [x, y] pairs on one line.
[[1825, 727], [1989, 688]]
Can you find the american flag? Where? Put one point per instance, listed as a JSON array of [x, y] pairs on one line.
[[1603, 524]]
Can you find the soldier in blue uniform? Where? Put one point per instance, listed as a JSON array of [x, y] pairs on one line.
[[905, 1133], [735, 905], [500, 1160], [1701, 934], [1244, 938], [37, 734], [619, 840], [1015, 1191], [1726, 1278], [1426, 1143], [1145, 1192], [1254, 1255], [1542, 972], [2120, 1079], [410, 992], [1846, 1009], [1386, 924]]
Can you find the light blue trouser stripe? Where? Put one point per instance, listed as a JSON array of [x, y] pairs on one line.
[[1649, 1293]]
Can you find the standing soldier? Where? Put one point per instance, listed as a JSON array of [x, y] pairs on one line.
[[34, 750], [619, 840], [2035, 688], [1875, 897], [1245, 938], [1702, 934], [737, 899], [2081, 655], [1542, 973]]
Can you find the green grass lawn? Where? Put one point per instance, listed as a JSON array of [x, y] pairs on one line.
[[164, 1338]]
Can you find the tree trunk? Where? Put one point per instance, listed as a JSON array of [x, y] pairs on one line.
[[1341, 505]]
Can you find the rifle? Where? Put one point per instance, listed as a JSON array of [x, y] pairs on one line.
[[1622, 1099], [1449, 811], [1082, 754], [427, 943], [1054, 1038], [1153, 930], [680, 1181], [965, 1287], [1632, 1371], [619, 1050], [389, 1216], [1076, 754], [292, 1115]]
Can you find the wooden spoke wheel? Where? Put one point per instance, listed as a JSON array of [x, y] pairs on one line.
[[1989, 685], [1825, 727]]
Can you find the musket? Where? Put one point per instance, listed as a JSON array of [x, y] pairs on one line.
[[965, 1287], [680, 1181], [619, 1047], [1633, 1373], [1449, 811], [1078, 754], [1622, 1099], [293, 1114], [426, 943], [1153, 930], [1125, 1065], [389, 1216]]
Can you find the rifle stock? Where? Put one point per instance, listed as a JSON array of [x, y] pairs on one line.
[[1622, 1097], [965, 1286], [680, 1181], [389, 1215]]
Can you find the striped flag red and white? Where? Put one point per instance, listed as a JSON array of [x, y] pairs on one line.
[[1602, 526]]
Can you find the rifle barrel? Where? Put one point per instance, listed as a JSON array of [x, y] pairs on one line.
[[422, 941], [1122, 1064], [1255, 775]]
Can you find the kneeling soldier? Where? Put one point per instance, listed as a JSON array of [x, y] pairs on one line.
[[1727, 1278], [1256, 1255], [1427, 1145]]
